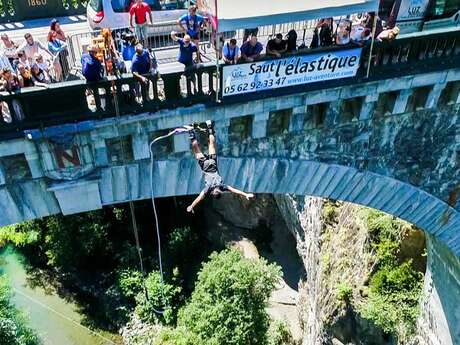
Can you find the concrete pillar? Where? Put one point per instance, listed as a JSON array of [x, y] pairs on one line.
[[259, 126], [141, 146], [181, 143], [401, 101], [439, 321], [368, 107], [33, 160], [222, 127], [2, 176], [100, 152], [333, 114], [434, 95], [297, 118]]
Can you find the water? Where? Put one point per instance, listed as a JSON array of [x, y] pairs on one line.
[[53, 318]]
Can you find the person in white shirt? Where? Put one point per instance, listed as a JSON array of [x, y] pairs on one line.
[[32, 47], [231, 52]]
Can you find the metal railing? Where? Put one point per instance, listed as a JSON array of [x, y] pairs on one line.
[[77, 100]]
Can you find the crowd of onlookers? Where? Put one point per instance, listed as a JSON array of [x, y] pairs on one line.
[[32, 63]]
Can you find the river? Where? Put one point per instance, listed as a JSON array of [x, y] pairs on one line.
[[55, 320]]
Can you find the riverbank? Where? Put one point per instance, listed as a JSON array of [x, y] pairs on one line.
[[57, 321]]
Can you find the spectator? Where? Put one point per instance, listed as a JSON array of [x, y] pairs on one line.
[[129, 48], [4, 62], [343, 33], [291, 39], [276, 46], [141, 63], [38, 75], [140, 66], [9, 48], [191, 24], [249, 32], [359, 34], [57, 49], [31, 47], [25, 78], [186, 50], [10, 81], [56, 27], [92, 68], [388, 34], [368, 23], [231, 52], [251, 50], [42, 64], [138, 12], [22, 59]]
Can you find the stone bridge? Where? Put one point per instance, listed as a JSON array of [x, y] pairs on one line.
[[391, 144]]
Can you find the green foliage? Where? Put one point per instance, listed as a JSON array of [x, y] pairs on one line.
[[13, 325], [177, 336], [166, 299], [279, 334], [228, 304], [18, 235], [395, 287], [130, 283], [181, 246], [344, 292]]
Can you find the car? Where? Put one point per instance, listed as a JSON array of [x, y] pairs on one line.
[[114, 14]]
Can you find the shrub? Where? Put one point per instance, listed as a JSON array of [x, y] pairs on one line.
[[279, 334], [228, 304], [164, 299], [177, 336], [344, 292], [13, 324]]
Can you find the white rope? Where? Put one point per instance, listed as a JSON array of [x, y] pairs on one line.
[[63, 316]]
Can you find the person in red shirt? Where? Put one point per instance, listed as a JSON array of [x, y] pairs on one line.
[[138, 12]]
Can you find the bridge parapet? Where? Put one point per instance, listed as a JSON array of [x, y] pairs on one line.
[[69, 102]]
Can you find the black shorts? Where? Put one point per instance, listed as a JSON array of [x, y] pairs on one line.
[[208, 163]]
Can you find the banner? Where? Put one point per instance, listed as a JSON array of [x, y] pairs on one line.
[[412, 9], [295, 70]]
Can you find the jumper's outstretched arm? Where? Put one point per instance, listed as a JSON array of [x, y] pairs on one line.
[[195, 202], [239, 192]]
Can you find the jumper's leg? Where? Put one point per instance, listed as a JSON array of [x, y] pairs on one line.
[[195, 145], [211, 137]]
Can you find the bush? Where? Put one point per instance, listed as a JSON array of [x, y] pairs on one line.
[[13, 325], [279, 334], [344, 292], [228, 304], [166, 299], [177, 336]]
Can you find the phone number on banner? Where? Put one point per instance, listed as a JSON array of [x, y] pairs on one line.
[[255, 85]]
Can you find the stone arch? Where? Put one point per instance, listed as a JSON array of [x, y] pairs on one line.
[[302, 177]]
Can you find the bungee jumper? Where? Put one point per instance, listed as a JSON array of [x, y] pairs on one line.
[[214, 184]]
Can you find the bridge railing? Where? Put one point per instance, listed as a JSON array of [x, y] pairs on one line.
[[77, 100]]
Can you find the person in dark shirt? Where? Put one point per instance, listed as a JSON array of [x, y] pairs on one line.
[[251, 50], [276, 46], [140, 66], [192, 24], [186, 50], [214, 184], [92, 68]]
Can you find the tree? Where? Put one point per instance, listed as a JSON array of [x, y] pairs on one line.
[[228, 304], [13, 327]]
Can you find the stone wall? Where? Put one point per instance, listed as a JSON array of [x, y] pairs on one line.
[[388, 144]]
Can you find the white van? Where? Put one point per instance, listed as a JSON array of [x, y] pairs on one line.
[[114, 14]]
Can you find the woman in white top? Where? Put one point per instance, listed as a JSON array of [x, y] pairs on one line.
[[9, 48]]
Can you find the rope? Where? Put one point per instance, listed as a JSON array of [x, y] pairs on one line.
[[63, 316], [157, 227]]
